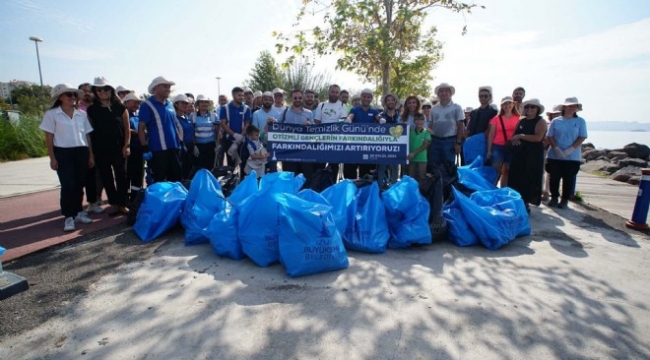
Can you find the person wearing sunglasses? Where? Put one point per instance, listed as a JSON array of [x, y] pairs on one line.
[[527, 165], [479, 118], [112, 142], [565, 137], [297, 114], [67, 137]]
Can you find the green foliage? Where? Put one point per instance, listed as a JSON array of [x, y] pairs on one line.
[[381, 41], [300, 75], [266, 74], [21, 140], [32, 99]]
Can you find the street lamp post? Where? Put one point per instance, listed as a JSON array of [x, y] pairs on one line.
[[218, 86], [36, 40]]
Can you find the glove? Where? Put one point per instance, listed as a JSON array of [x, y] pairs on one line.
[[196, 151], [568, 151], [558, 152], [348, 120], [147, 156], [238, 137], [382, 121]]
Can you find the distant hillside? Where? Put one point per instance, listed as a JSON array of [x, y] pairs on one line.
[[618, 126]]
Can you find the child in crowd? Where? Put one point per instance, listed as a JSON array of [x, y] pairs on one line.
[[419, 140], [258, 156]]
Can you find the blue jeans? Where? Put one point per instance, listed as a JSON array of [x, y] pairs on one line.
[[442, 151], [382, 175]]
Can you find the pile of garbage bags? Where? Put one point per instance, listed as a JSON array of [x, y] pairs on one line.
[[308, 227]]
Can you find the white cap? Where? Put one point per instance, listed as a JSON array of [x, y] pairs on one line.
[[278, 91], [159, 81], [201, 97], [180, 97], [131, 96], [247, 90], [267, 93], [121, 88], [257, 94], [366, 91]]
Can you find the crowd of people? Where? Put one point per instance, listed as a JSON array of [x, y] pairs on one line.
[[99, 136]]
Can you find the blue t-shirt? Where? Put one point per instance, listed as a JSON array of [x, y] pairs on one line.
[[361, 116], [298, 118], [565, 132], [204, 128], [237, 115], [188, 129], [133, 124], [260, 117], [162, 135]]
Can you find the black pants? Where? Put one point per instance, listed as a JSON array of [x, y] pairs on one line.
[[350, 170], [91, 185], [564, 170], [307, 169], [206, 155], [187, 161], [225, 145], [165, 165], [72, 172], [135, 168], [112, 169]]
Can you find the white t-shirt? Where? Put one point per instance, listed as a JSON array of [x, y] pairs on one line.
[[328, 112], [68, 132]]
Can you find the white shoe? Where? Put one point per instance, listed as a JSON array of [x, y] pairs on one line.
[[69, 224], [83, 218], [94, 207]]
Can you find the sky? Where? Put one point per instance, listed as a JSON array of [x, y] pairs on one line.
[[595, 50]]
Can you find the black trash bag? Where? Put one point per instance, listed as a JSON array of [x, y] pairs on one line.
[[227, 177], [364, 181], [432, 188], [320, 180], [222, 171], [134, 206]]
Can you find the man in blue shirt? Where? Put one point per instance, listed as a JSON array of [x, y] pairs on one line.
[[158, 117], [206, 130], [298, 115], [234, 118], [366, 114], [261, 118]]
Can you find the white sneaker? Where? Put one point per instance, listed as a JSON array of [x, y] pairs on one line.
[[69, 224], [84, 212], [83, 218], [94, 207]]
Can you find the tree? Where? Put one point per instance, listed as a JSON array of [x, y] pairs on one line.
[[266, 74], [300, 75], [32, 99], [379, 40]]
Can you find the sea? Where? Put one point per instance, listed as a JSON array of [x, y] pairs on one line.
[[616, 139]]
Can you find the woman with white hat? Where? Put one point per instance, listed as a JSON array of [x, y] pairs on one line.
[[111, 142], [527, 165], [502, 126], [67, 136], [565, 137]]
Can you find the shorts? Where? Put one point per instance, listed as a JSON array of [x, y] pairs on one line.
[[499, 154]]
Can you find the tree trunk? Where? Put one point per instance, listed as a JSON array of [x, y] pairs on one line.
[[385, 78]]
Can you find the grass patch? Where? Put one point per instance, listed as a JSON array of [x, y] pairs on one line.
[[21, 140], [578, 197]]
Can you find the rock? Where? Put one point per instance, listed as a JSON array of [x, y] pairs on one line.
[[614, 153], [588, 146], [632, 162], [593, 154], [634, 180], [603, 158], [599, 165], [638, 151], [626, 173], [618, 158]]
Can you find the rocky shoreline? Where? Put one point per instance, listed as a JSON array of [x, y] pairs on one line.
[[619, 164]]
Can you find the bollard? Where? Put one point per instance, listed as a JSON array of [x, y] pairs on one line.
[[640, 214]]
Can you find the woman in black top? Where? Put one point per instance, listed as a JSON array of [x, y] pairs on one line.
[[111, 142], [527, 165]]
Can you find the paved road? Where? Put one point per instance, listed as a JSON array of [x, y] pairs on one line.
[[575, 289], [26, 176]]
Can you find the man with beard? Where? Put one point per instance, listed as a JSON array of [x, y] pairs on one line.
[[345, 98], [87, 98], [479, 119], [299, 115], [234, 117], [331, 111], [261, 119], [310, 103], [363, 113], [518, 95]]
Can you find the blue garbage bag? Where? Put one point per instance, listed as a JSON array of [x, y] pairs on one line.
[[309, 241], [204, 199], [343, 199], [477, 177], [407, 212], [459, 233], [313, 196], [475, 146], [282, 182], [160, 210], [496, 216], [369, 230], [222, 230]]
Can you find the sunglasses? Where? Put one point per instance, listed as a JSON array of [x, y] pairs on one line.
[[426, 107], [70, 94], [530, 107], [105, 88], [483, 96], [296, 98]]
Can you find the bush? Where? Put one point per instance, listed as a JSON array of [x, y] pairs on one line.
[[21, 140]]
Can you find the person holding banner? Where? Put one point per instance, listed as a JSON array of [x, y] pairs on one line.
[[261, 119], [390, 115], [364, 114], [297, 115]]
